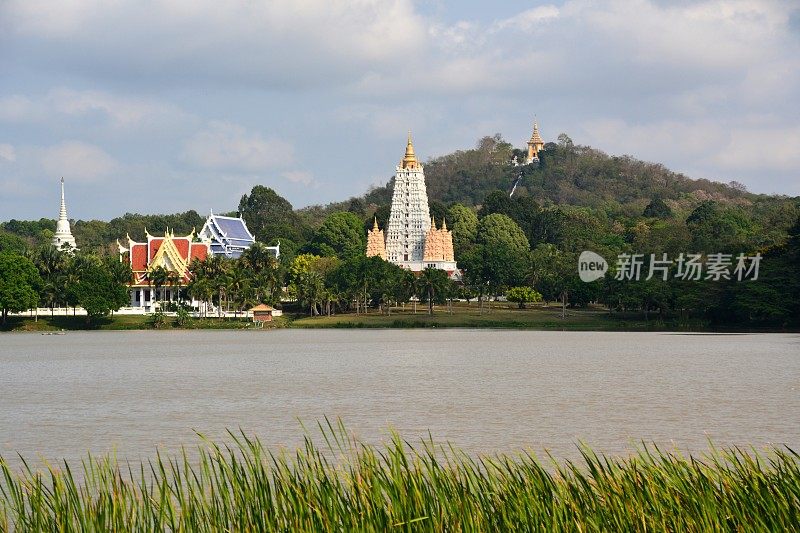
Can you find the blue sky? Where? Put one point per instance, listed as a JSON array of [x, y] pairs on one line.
[[167, 105]]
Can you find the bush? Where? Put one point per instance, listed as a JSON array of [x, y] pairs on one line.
[[158, 319], [523, 295]]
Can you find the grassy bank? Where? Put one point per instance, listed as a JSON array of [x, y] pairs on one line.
[[498, 315], [122, 322], [244, 487], [461, 315]]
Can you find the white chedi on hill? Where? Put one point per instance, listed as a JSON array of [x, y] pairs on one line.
[[63, 235]]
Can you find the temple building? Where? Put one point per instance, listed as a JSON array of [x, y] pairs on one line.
[[229, 236], [376, 242], [535, 144], [412, 240], [439, 245], [175, 254], [63, 236]]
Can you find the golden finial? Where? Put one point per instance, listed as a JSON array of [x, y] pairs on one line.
[[410, 159], [375, 225], [433, 222], [444, 224]]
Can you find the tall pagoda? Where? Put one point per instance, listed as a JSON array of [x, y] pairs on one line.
[[412, 239], [63, 236]]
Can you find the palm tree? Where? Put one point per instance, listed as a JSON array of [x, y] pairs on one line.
[[433, 283], [174, 281], [158, 277]]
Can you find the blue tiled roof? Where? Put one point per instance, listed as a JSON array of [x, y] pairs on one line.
[[229, 236], [233, 228]]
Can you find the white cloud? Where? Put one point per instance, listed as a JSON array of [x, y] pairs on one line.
[[528, 20], [77, 161], [8, 153], [234, 41], [121, 112], [299, 176], [19, 108], [226, 146]]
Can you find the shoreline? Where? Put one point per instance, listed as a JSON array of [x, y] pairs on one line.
[[534, 319]]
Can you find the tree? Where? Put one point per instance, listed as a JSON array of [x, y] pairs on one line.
[[269, 216], [523, 295], [657, 208], [98, 292], [500, 231], [19, 283], [307, 276], [718, 229], [434, 286], [264, 273], [463, 222], [341, 235], [497, 202], [11, 243], [555, 273], [158, 277], [437, 210]]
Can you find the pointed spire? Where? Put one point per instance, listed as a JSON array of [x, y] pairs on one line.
[[62, 212], [410, 158], [375, 225], [433, 222], [444, 224], [536, 137]]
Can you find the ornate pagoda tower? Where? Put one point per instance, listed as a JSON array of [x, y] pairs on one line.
[[63, 233], [409, 219], [376, 242], [534, 145], [412, 239]]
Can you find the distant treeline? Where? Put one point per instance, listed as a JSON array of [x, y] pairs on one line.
[[576, 199]]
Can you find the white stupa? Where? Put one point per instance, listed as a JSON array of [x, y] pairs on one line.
[[63, 233]]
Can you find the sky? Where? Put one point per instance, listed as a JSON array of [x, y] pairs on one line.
[[160, 106]]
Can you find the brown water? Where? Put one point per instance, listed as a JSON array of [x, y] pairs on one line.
[[61, 396]]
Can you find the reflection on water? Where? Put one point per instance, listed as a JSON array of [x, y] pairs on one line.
[[485, 390]]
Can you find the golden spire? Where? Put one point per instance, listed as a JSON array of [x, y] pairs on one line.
[[444, 224], [410, 159], [433, 222], [375, 226], [536, 138]]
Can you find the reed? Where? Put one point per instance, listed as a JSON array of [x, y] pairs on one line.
[[345, 485]]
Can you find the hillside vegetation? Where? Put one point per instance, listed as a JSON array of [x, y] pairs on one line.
[[525, 247]]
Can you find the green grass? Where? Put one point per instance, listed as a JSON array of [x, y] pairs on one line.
[[501, 315], [345, 486], [124, 322]]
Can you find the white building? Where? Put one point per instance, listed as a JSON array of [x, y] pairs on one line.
[[63, 235], [412, 242]]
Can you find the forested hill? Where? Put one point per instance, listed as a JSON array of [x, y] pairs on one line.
[[619, 196], [567, 174]]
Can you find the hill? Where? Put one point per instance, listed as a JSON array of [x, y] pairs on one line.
[[615, 192]]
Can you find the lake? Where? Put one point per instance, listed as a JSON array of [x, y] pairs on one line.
[[484, 390]]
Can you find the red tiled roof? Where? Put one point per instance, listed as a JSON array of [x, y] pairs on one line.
[[199, 251], [155, 244], [182, 246], [139, 257]]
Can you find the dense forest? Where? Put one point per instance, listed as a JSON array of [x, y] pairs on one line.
[[576, 198]]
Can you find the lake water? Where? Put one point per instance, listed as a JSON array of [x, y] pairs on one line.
[[484, 390]]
